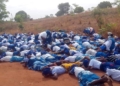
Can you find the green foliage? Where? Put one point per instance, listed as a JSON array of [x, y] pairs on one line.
[[63, 9], [100, 21], [59, 13], [107, 27], [118, 8], [97, 13], [21, 16], [21, 26], [116, 2], [47, 16], [104, 27], [2, 29], [102, 30], [105, 4], [3, 12], [110, 26], [18, 18], [78, 9]]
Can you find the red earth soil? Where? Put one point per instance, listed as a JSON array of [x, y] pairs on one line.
[[13, 74]]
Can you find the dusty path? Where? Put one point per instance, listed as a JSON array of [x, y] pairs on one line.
[[13, 74]]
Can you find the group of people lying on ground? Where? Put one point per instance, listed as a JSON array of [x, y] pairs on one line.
[[54, 53]]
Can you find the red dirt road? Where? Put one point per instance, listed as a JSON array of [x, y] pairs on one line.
[[13, 74]]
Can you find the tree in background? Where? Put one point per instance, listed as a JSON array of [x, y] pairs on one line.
[[51, 15], [116, 2], [3, 12], [59, 13], [47, 16], [21, 17], [105, 4], [63, 9], [78, 9], [18, 18]]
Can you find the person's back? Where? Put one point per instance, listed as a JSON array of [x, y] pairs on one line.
[[88, 78], [110, 44], [6, 59], [58, 70], [67, 66], [91, 52], [70, 58], [95, 63], [87, 44], [77, 70], [42, 34], [115, 74]]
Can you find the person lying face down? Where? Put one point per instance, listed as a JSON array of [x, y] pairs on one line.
[[53, 71], [78, 56], [57, 68], [113, 58], [87, 78], [10, 56], [62, 49], [95, 64], [72, 58], [113, 73], [96, 53]]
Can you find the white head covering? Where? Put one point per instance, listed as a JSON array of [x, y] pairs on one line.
[[109, 33]]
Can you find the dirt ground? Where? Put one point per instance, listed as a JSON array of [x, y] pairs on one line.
[[13, 74]]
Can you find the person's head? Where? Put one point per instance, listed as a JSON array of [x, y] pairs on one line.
[[58, 63], [86, 63], [110, 34], [46, 72], [91, 38], [116, 37], [103, 47]]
